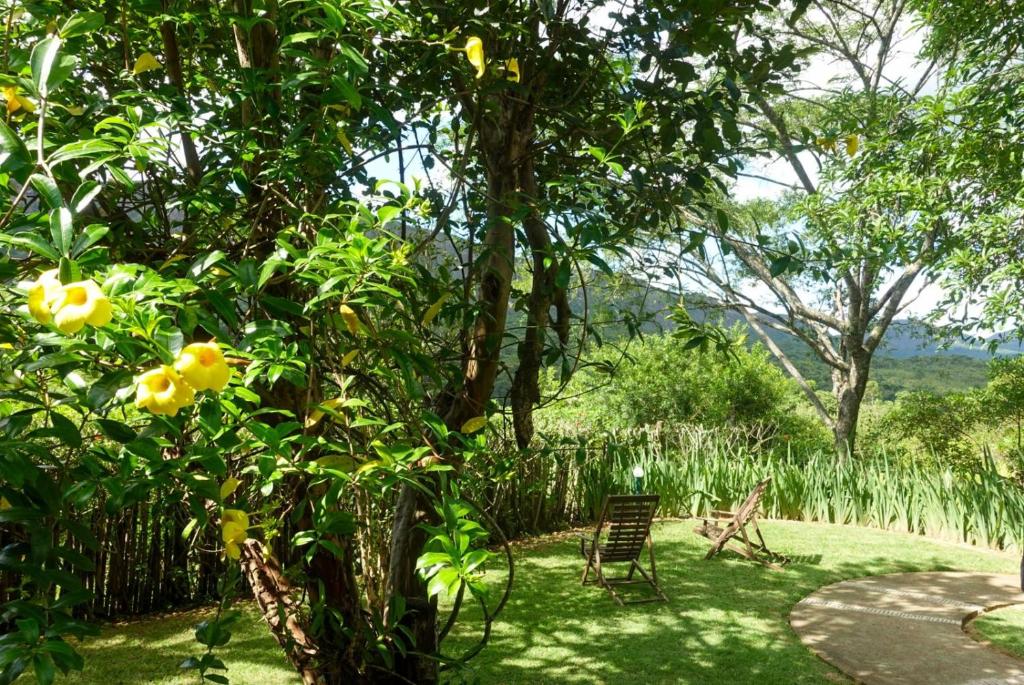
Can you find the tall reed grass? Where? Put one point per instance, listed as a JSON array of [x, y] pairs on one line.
[[696, 470]]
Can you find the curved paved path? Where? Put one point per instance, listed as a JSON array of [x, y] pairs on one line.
[[907, 628]]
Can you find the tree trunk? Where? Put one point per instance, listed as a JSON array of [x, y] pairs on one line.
[[849, 389], [276, 602], [420, 618], [544, 292]]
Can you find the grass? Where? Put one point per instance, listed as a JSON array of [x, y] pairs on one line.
[[727, 621], [1004, 628], [150, 651]]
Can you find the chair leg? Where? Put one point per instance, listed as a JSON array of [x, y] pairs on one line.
[[650, 550]]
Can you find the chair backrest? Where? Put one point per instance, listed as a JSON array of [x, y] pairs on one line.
[[629, 523], [749, 507]]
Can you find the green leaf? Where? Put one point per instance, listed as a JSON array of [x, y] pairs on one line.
[[723, 219], [116, 431], [301, 37], [92, 234], [65, 430], [81, 23], [45, 671], [84, 196], [387, 213], [48, 191], [92, 147], [14, 148], [44, 55], [31, 242], [61, 230], [780, 265]]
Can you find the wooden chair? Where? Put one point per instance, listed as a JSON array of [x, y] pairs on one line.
[[722, 536], [628, 518]]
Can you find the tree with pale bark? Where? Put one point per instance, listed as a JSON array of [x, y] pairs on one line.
[[873, 208]]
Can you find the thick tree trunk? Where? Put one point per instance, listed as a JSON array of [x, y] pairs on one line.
[[276, 601], [483, 356], [849, 389], [480, 368]]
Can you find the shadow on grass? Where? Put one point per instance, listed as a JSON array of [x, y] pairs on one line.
[[726, 621], [151, 651]]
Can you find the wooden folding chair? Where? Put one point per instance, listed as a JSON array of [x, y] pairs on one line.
[[628, 518], [722, 536]]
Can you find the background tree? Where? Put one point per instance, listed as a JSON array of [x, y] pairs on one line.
[[871, 210], [982, 51]]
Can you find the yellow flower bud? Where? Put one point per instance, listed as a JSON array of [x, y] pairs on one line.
[[351, 319], [475, 54], [78, 304], [203, 366], [163, 391], [228, 487]]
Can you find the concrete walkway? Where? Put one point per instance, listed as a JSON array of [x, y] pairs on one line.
[[907, 628]]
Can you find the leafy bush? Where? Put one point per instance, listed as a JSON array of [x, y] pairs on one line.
[[657, 380]]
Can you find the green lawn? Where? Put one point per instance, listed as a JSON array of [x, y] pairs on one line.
[[150, 652], [1003, 628], [726, 621]]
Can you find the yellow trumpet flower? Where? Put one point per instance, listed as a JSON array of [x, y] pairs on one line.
[[852, 144], [15, 101], [41, 295], [163, 391], [233, 525], [475, 54], [351, 318], [77, 304], [203, 366]]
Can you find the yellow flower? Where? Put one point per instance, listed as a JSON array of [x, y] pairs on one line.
[[80, 303], [41, 295], [4, 503], [203, 366], [852, 144], [235, 516], [512, 70], [163, 391], [826, 144], [233, 525], [15, 101], [475, 54]]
